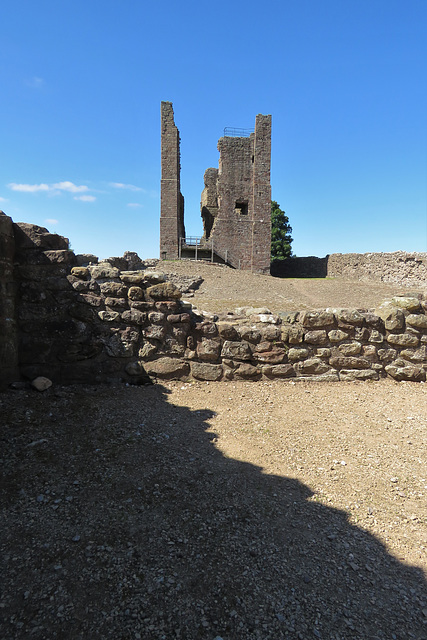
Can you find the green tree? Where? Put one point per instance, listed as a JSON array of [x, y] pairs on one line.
[[281, 230]]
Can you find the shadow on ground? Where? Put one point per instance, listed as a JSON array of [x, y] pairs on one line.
[[122, 520]]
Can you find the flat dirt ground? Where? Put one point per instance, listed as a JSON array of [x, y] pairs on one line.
[[213, 511]]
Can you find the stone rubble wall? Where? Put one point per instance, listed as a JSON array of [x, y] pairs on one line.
[[81, 321], [400, 267]]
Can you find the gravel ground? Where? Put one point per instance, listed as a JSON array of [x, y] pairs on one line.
[[210, 511]]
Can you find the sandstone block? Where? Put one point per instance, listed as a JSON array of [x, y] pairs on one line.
[[350, 316], [420, 355], [113, 289], [369, 351], [155, 331], [227, 331], [349, 362], [279, 371], [205, 371], [80, 272], [407, 302], [41, 383], [168, 368], [312, 365], [156, 317], [411, 372], [316, 337], [102, 271], [247, 372], [395, 320], [313, 319], [169, 307], [270, 333], [208, 329], [350, 348], [133, 316], [263, 346], [147, 351], [208, 350], [295, 335], [250, 334], [164, 291], [295, 354], [387, 355], [419, 321], [323, 352], [154, 277], [132, 277], [362, 334], [336, 335], [403, 339], [349, 375], [273, 356], [376, 337], [116, 303], [135, 293], [236, 350]]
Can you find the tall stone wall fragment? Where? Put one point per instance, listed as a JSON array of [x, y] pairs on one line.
[[8, 334], [172, 201]]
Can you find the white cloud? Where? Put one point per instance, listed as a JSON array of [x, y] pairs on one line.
[[28, 188], [129, 187], [35, 82], [51, 221], [70, 186], [3, 199], [53, 189], [85, 198], [135, 205]]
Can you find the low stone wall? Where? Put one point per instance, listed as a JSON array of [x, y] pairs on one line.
[[295, 267], [88, 323], [409, 269]]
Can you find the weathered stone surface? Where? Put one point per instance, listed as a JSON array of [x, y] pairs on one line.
[[247, 372], [289, 317], [263, 346], [133, 316], [85, 259], [369, 351], [209, 350], [420, 355], [279, 371], [372, 320], [208, 329], [252, 311], [227, 331], [350, 348], [395, 320], [312, 319], [270, 333], [323, 352], [80, 272], [348, 375], [30, 236], [113, 289], [155, 331], [154, 277], [118, 346], [296, 354], [336, 335], [316, 337], [273, 356], [116, 303], [164, 291], [419, 321], [350, 362], [173, 318], [376, 337], [329, 376], [135, 293], [265, 318], [410, 372], [403, 339], [169, 307], [147, 351], [236, 350], [41, 383], [312, 365], [109, 316], [406, 302], [132, 277], [156, 317], [168, 368], [387, 355], [350, 316], [205, 371], [103, 271], [295, 335], [250, 334]]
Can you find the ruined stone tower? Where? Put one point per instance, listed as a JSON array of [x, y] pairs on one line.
[[235, 203], [172, 201]]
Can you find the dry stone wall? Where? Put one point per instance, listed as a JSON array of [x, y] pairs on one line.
[[399, 267], [74, 320]]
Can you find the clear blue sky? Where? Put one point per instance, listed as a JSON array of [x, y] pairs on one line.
[[344, 80]]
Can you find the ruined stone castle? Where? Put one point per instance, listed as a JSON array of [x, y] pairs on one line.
[[235, 203]]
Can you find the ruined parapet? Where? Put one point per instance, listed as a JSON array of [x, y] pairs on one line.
[[236, 201], [8, 334], [172, 201]]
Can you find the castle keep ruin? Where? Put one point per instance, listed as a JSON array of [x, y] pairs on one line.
[[235, 203]]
